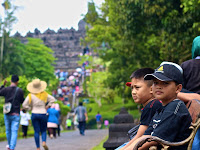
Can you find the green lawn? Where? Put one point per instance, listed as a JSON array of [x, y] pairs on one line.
[[100, 146], [108, 111]]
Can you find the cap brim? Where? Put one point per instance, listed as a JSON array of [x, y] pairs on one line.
[[128, 84], [158, 76]]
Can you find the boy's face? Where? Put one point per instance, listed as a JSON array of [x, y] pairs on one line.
[[165, 90], [141, 92]]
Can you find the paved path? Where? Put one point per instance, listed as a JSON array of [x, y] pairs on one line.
[[67, 141]]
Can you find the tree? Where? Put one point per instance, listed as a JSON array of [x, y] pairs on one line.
[[11, 49], [98, 90], [13, 62], [143, 33], [38, 60]]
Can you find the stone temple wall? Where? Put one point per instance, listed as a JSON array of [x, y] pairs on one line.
[[65, 44]]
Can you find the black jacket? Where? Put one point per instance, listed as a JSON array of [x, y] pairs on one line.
[[8, 93]]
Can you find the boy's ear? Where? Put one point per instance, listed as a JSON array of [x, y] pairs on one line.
[[179, 88], [151, 90]]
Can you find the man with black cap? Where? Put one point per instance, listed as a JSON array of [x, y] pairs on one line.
[[15, 96]]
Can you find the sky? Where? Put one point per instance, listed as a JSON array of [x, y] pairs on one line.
[[44, 14]]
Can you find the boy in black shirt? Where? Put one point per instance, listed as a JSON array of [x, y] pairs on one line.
[[142, 94], [173, 121]]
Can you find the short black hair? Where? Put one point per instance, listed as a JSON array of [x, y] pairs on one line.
[[23, 110], [80, 103], [14, 78], [140, 73]]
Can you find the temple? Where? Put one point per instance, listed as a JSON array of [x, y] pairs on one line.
[[65, 43]]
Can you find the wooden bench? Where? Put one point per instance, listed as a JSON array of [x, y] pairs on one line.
[[194, 109]]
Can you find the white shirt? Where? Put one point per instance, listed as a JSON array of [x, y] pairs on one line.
[[25, 117], [59, 91]]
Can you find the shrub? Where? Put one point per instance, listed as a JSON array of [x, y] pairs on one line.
[[1, 108], [1, 120], [23, 81]]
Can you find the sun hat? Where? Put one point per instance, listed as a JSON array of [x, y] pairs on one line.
[[36, 86], [167, 71]]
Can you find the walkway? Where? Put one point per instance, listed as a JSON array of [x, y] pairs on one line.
[[67, 141]]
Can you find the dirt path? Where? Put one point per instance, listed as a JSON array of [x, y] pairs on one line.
[[67, 141]]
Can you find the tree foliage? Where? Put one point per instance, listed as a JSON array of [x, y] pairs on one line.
[[12, 62], [10, 52], [143, 33], [96, 88], [38, 60]]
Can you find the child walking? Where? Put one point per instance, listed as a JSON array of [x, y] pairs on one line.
[[24, 121]]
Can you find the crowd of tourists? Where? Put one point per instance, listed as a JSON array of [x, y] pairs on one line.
[[45, 113]]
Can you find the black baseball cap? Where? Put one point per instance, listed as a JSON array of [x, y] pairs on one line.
[[167, 71]]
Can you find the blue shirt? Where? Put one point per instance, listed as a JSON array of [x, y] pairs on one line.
[[98, 117], [80, 111], [53, 115]]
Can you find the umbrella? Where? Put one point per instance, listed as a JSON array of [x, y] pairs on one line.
[[71, 77], [78, 69], [75, 73], [61, 78]]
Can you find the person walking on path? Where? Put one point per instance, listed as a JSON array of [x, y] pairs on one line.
[[81, 113], [24, 121], [38, 100], [15, 96], [53, 121], [57, 107], [69, 123], [99, 120]]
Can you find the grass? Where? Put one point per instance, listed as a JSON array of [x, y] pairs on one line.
[[108, 111], [100, 145]]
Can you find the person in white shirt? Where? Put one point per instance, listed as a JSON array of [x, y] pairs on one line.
[[24, 121]]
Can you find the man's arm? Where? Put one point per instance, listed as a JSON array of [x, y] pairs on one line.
[[2, 87], [21, 96], [185, 97], [140, 133], [86, 117]]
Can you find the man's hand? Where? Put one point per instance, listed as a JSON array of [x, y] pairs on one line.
[[86, 117], [4, 83]]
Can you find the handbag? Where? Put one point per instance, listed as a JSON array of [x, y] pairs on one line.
[[133, 131], [7, 106]]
